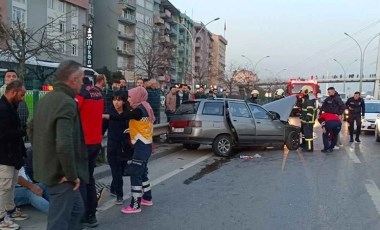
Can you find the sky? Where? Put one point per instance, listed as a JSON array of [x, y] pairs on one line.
[[302, 36]]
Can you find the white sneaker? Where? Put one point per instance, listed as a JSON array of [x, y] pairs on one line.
[[7, 224], [336, 147]]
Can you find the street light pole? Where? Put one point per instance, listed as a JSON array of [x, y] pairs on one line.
[[362, 52], [344, 77], [255, 65], [277, 74]]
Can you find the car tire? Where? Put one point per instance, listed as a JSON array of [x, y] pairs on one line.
[[191, 146], [222, 145], [292, 141], [377, 134]]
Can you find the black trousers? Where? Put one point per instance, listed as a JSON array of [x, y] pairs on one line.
[[351, 119], [307, 136]]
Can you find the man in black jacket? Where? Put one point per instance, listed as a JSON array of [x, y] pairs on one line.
[[356, 110], [12, 151], [333, 103]]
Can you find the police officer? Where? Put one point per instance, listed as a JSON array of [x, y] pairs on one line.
[[356, 111], [254, 96], [333, 103], [308, 116], [279, 94]]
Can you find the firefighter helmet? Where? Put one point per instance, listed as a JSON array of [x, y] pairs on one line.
[[306, 89], [279, 92], [255, 91]]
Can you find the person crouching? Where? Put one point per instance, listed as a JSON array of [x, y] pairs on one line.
[[331, 126]]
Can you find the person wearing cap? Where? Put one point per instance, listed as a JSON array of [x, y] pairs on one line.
[[254, 96], [307, 117]]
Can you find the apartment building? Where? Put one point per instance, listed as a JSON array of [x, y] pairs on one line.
[[202, 55], [184, 48], [218, 58], [63, 19]]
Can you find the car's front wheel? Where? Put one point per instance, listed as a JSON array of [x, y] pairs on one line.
[[191, 146], [222, 145], [292, 141]]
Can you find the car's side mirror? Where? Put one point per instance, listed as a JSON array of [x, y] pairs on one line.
[[378, 116], [274, 115]]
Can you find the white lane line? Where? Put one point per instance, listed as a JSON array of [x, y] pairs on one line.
[[374, 193], [353, 157], [109, 204]]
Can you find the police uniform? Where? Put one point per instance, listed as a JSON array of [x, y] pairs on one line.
[[308, 116], [356, 109]]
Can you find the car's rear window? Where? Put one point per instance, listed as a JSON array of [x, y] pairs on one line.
[[188, 108], [213, 108]]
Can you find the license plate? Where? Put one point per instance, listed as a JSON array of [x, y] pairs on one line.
[[178, 130], [373, 126]]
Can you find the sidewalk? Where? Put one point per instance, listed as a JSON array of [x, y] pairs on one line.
[[37, 220]]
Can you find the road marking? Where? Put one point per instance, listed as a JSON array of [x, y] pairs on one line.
[[374, 193], [109, 204], [353, 157]]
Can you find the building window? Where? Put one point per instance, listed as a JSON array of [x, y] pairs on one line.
[[74, 30], [61, 47], [74, 50], [148, 20], [61, 6], [74, 11], [140, 2], [50, 22], [21, 1], [140, 17], [18, 15], [51, 4], [62, 26]]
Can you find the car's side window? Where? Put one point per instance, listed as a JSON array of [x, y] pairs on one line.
[[212, 108], [258, 112], [239, 110]]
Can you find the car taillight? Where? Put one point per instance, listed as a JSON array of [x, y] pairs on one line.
[[179, 124], [195, 123]]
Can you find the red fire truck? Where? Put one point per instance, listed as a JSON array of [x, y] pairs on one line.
[[294, 88]]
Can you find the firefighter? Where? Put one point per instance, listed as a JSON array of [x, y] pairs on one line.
[[308, 116], [279, 94], [254, 96]]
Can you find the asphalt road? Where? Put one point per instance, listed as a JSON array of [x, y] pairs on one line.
[[280, 189]]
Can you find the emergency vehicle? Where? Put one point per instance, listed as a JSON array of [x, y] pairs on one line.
[[294, 88]]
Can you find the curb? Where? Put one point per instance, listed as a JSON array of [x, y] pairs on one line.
[[163, 150]]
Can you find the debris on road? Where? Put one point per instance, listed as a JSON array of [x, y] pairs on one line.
[[246, 157], [257, 155]]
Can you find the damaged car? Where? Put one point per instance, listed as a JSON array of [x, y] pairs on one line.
[[229, 123]]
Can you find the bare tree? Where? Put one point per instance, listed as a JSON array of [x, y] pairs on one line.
[[153, 53], [202, 69], [246, 80], [20, 43], [227, 80]]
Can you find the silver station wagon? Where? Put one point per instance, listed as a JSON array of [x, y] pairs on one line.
[[228, 123]]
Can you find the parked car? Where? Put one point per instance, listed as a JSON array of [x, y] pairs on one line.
[[372, 109], [377, 128], [228, 123]]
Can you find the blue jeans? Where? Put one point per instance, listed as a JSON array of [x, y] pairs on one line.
[[66, 207], [24, 196], [332, 131]]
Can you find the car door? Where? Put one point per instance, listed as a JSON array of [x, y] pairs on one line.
[[266, 127], [242, 121]]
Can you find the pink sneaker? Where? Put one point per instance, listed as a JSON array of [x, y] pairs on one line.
[[146, 202], [129, 210]]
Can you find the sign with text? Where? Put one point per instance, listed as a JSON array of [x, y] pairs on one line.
[[89, 38]]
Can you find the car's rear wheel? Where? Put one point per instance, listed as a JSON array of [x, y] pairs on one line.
[[293, 141], [191, 146], [377, 134], [222, 145]]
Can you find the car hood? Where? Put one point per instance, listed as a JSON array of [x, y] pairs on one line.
[[283, 106], [370, 116]]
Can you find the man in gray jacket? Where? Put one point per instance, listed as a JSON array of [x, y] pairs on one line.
[[60, 158]]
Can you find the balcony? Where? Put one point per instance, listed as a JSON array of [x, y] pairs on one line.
[[158, 21], [126, 52], [172, 32], [165, 14], [128, 19], [181, 38], [126, 36], [128, 4], [181, 49]]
